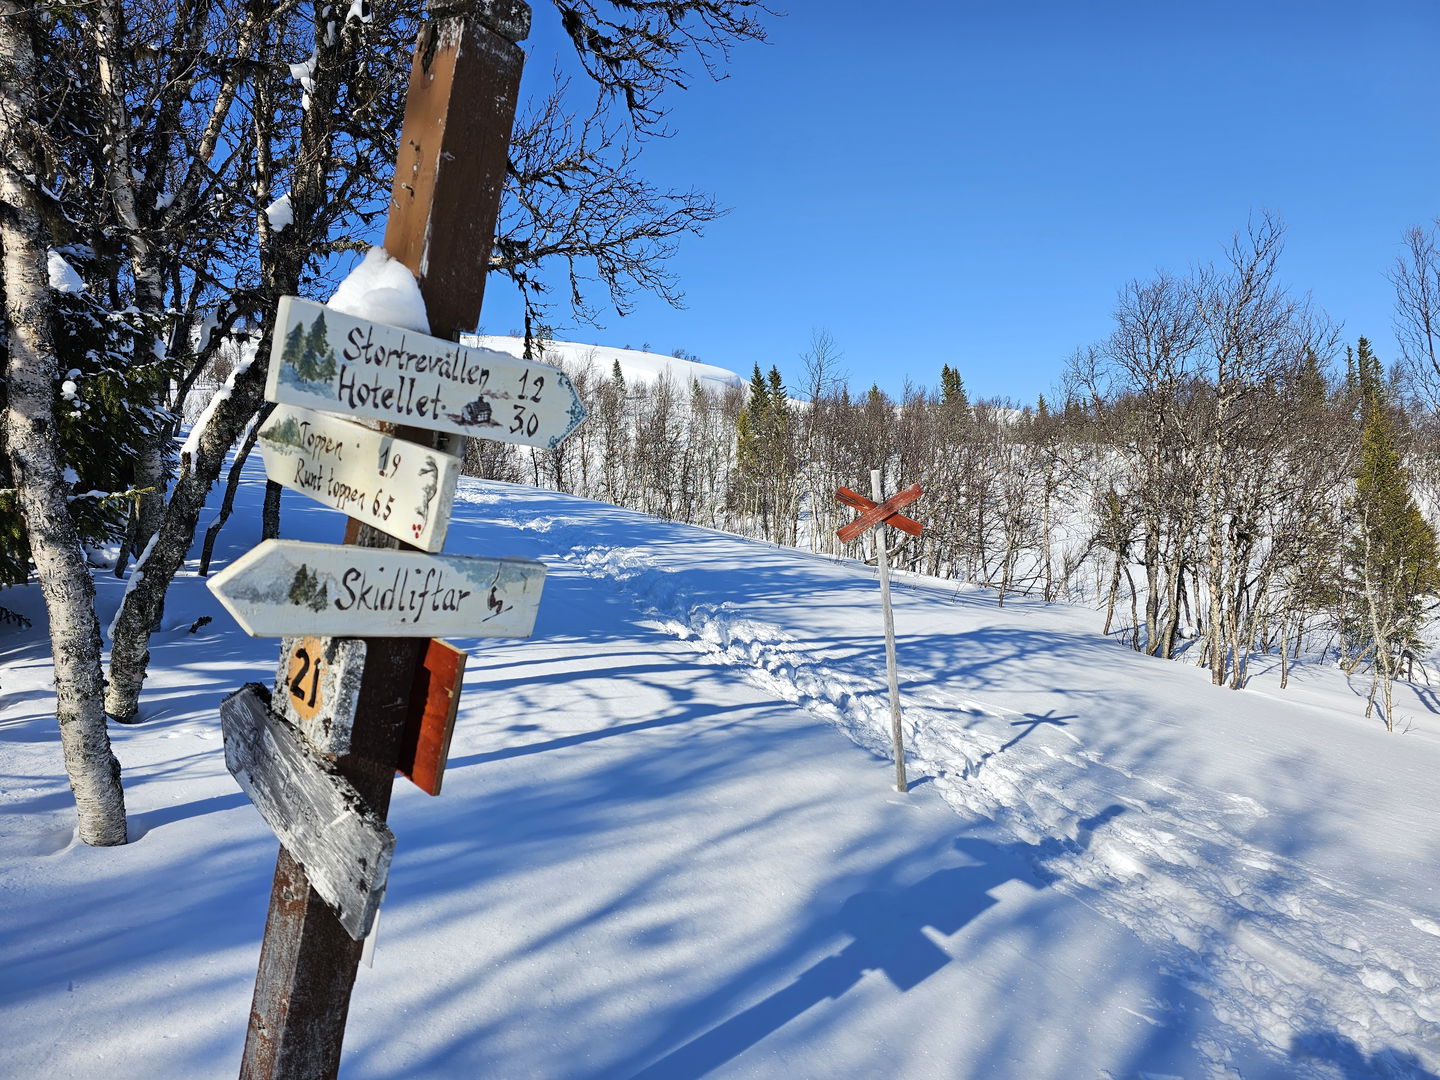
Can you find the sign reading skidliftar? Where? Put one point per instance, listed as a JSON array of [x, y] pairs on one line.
[[324, 359], [283, 588]]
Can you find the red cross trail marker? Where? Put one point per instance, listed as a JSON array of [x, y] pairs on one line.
[[876, 512]]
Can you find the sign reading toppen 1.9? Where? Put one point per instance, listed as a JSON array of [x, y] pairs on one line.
[[325, 359], [399, 487]]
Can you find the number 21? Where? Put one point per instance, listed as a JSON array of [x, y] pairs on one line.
[[297, 685]]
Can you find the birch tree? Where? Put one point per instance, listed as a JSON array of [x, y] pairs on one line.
[[329, 175], [1416, 277], [31, 446]]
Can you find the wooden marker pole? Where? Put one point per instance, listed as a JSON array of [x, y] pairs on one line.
[[877, 513], [464, 83], [882, 559]]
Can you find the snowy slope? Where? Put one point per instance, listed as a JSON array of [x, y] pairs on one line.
[[637, 367], [658, 853]]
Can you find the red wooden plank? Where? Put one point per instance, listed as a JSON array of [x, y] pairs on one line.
[[884, 512], [433, 704], [853, 498], [905, 524]]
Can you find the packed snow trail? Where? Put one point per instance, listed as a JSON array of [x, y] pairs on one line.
[[1298, 961]]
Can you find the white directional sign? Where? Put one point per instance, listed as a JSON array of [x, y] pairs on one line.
[[324, 359], [284, 588], [318, 815], [402, 488]]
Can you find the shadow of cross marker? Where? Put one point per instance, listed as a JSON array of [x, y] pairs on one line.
[[875, 513]]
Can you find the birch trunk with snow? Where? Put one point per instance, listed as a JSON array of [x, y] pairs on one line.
[[149, 295], [33, 451]]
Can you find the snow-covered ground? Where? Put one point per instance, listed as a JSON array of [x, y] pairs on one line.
[[668, 845]]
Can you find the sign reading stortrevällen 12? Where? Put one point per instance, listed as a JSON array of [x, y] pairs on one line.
[[283, 588], [401, 488], [325, 359]]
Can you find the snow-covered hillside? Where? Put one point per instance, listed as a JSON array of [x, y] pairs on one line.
[[668, 845], [637, 367]]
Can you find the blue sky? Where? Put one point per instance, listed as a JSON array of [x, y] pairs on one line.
[[971, 183]]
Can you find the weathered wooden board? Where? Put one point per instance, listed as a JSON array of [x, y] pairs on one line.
[[317, 686], [324, 359], [281, 588], [878, 513], [344, 846], [401, 488], [860, 502], [434, 702]]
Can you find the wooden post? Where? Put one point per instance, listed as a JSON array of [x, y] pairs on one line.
[[882, 559], [445, 200]]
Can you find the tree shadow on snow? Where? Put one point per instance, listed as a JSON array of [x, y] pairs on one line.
[[886, 928], [1352, 1062]]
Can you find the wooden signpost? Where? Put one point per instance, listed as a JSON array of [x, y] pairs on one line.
[[876, 511], [320, 759], [401, 488], [325, 359]]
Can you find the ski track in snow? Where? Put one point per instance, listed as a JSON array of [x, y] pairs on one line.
[[1276, 951]]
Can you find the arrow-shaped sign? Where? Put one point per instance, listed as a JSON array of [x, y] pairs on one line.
[[401, 488], [283, 588], [878, 512], [324, 359]]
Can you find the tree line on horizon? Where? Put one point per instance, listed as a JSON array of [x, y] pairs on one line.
[[1219, 476]]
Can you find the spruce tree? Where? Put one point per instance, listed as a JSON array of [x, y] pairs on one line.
[[759, 393], [775, 387], [952, 388], [1392, 558], [750, 425], [294, 351], [102, 416]]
